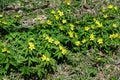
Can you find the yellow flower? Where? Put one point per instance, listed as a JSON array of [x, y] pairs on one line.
[[1, 15], [49, 22], [103, 9], [50, 40], [64, 21], [60, 13], [68, 2], [116, 35], [110, 6], [4, 50], [94, 19], [99, 24], [76, 36], [43, 26], [112, 36], [77, 22], [92, 26], [98, 59], [56, 17], [77, 43], [4, 22], [119, 37], [31, 46], [105, 16], [87, 28], [8, 51], [57, 42], [71, 26], [61, 27], [53, 11], [43, 57], [60, 47], [47, 59], [64, 51], [92, 37], [114, 25], [116, 8], [70, 34], [17, 16], [84, 41], [100, 41], [47, 37]]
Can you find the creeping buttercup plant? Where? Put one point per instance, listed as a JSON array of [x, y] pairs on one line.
[[35, 51]]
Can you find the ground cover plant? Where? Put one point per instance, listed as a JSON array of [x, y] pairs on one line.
[[69, 34]]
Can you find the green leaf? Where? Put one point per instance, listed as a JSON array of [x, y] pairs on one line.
[[7, 66]]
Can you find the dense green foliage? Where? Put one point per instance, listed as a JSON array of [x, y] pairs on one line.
[[36, 50]]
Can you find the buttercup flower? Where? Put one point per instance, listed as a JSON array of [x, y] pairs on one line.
[[77, 43], [105, 16], [114, 25], [71, 26], [60, 47], [47, 37], [64, 21], [110, 6], [92, 37], [44, 58], [100, 41], [49, 22], [53, 11], [116, 35], [67, 2], [98, 59], [60, 13], [4, 22], [47, 59], [87, 28], [76, 36], [31, 46], [4, 50], [116, 8], [99, 24], [56, 17], [61, 27], [1, 15], [92, 26], [77, 22], [113, 36], [70, 34], [57, 42], [103, 9], [94, 19], [84, 41], [50, 40], [17, 16], [8, 51], [64, 51]]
